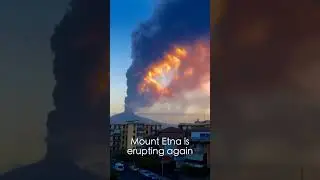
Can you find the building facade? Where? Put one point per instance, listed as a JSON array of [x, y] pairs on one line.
[[122, 134], [115, 137], [200, 137], [187, 127], [200, 143], [198, 133]]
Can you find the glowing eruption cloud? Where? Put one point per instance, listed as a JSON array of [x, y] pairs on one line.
[[171, 55], [179, 80], [175, 73], [157, 72]]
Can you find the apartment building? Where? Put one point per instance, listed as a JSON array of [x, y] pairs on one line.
[[199, 134], [121, 134], [200, 143], [115, 137], [187, 127]]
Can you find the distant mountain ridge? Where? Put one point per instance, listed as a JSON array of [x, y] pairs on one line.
[[124, 117]]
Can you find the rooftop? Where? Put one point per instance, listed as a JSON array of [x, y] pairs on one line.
[[200, 129], [198, 122], [171, 130]]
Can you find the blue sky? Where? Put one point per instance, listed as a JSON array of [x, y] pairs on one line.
[[125, 17]]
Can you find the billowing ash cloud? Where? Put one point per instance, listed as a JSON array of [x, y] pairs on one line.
[[173, 22]]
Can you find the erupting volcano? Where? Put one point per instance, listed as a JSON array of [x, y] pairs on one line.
[[171, 57]]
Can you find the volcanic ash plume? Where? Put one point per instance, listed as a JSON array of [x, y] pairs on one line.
[[171, 56]]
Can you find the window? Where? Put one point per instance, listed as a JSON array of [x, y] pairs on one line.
[[205, 136]]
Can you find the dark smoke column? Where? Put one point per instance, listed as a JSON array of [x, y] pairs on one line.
[[173, 22], [78, 128]]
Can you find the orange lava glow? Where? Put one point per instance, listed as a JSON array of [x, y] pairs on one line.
[[186, 67]]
